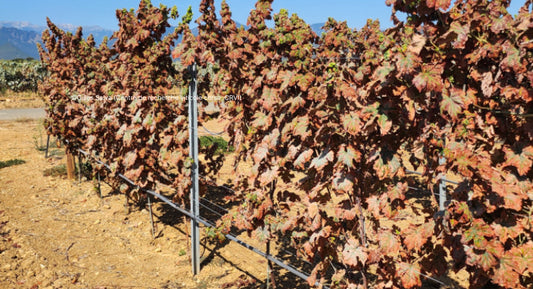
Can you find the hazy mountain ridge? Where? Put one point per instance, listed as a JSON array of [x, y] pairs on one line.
[[18, 39], [17, 43]]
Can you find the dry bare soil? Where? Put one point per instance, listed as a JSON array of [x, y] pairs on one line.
[[58, 233]]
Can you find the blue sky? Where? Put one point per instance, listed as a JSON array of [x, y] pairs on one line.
[[102, 12]]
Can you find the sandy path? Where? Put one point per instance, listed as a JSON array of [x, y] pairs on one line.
[[21, 113]]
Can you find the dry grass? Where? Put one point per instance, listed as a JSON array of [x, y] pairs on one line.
[[21, 100]]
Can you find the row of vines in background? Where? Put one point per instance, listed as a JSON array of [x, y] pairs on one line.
[[20, 75], [145, 140], [329, 122]]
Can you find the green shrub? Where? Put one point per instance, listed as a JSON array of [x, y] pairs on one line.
[[9, 163]]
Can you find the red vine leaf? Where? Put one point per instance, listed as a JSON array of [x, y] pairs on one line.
[[269, 176], [522, 161], [389, 243], [321, 161], [406, 63], [261, 120], [439, 4], [461, 31], [261, 234], [522, 258], [451, 103], [409, 274], [429, 79], [303, 158], [485, 260], [354, 253], [129, 159], [260, 153], [351, 123], [342, 183], [347, 155], [417, 235]]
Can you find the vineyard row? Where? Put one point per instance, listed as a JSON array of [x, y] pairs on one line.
[[325, 131]]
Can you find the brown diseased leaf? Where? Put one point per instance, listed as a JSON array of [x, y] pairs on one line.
[[429, 79], [417, 235], [409, 274], [389, 243], [354, 254]]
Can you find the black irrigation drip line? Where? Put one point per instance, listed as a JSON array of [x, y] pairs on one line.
[[233, 238], [207, 224]]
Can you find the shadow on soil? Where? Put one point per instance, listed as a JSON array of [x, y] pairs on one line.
[[213, 206]]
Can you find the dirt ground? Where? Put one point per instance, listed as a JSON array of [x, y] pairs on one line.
[[58, 233]]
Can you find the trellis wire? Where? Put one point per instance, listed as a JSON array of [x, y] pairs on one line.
[[231, 237], [204, 222]]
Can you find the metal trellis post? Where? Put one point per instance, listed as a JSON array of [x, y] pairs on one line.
[[442, 187], [193, 150], [47, 146]]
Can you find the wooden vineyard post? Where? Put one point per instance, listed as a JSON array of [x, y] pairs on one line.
[[70, 166]]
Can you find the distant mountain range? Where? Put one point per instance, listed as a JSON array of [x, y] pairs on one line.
[[19, 39]]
